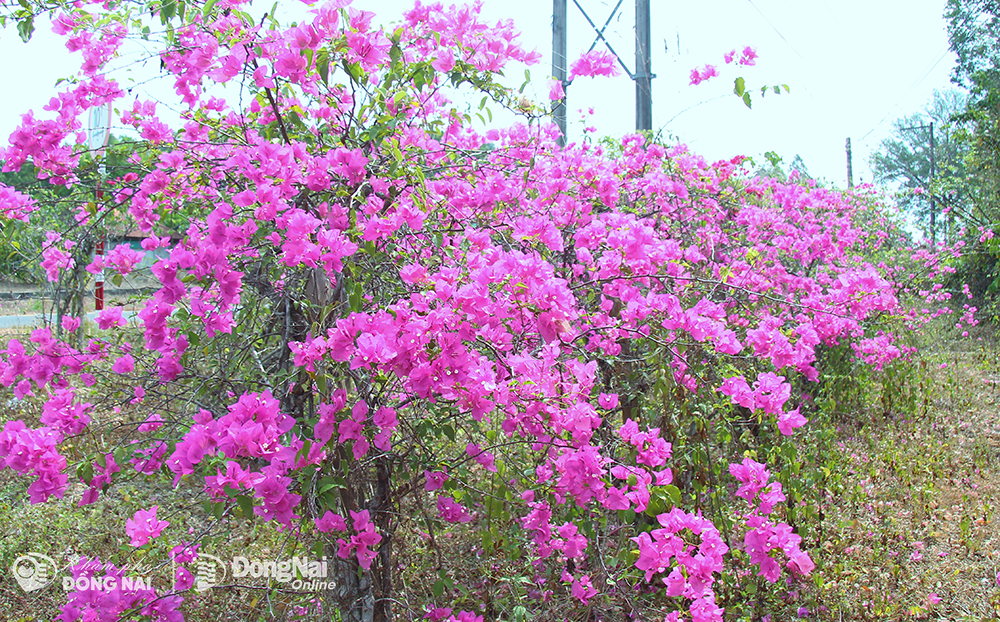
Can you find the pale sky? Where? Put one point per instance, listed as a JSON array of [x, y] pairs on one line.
[[853, 66]]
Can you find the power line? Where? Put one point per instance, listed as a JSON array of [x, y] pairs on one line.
[[775, 28], [907, 92]]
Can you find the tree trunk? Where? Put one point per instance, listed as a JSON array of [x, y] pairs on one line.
[[366, 595]]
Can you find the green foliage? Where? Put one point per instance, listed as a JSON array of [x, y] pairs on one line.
[[773, 167], [973, 35], [905, 159], [741, 91]]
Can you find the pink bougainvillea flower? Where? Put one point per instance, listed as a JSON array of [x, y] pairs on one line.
[[124, 364], [556, 91], [445, 61], [700, 75], [111, 316], [788, 421], [331, 522], [152, 423], [70, 323], [435, 480], [595, 63], [143, 526], [451, 510]]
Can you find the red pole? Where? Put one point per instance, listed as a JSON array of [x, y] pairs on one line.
[[99, 286], [99, 251], [100, 128]]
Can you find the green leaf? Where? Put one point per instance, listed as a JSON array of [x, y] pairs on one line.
[[246, 505], [323, 65], [117, 280], [746, 99], [449, 431], [674, 492], [304, 452], [740, 87], [26, 27], [438, 589], [328, 483], [654, 509], [86, 472], [776, 89], [355, 298], [167, 10], [317, 549], [419, 80], [354, 70], [208, 8]]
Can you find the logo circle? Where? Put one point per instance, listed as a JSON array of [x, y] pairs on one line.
[[25, 567]]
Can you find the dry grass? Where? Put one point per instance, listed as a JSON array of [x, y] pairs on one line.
[[917, 509]]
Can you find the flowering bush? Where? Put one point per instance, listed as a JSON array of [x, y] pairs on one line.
[[378, 307]]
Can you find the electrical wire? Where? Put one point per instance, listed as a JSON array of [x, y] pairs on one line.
[[775, 28], [907, 92]]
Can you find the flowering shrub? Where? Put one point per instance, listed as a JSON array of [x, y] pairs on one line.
[[378, 307]]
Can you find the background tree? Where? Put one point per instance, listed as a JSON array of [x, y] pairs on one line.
[[905, 159], [974, 35], [772, 167]]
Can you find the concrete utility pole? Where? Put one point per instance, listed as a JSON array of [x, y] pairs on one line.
[[559, 63], [643, 68], [642, 75], [850, 171]]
